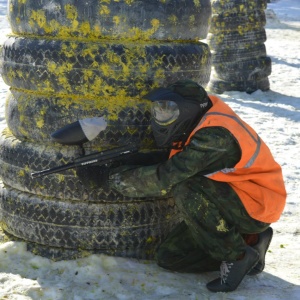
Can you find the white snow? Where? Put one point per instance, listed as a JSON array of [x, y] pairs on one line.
[[276, 116]]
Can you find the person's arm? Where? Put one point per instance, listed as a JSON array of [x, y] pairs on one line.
[[211, 149]]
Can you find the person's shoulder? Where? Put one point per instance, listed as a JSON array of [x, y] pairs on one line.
[[213, 133]]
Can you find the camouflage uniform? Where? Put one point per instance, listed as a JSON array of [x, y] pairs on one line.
[[214, 217]]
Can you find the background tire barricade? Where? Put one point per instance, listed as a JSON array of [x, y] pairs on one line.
[[236, 40], [68, 60]]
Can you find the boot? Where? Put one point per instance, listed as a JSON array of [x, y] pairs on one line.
[[264, 240], [233, 272]]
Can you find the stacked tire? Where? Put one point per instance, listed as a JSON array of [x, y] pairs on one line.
[[68, 60], [236, 38]]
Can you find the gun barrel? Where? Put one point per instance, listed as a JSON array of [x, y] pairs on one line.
[[52, 170]]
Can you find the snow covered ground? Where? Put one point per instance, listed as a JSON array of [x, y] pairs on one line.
[[276, 116]]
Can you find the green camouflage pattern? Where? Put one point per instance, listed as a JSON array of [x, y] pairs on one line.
[[216, 221], [181, 253], [209, 150], [213, 213]]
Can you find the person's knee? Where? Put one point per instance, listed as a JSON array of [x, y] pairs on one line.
[[192, 202]]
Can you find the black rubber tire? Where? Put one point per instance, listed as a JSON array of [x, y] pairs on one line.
[[122, 20], [237, 6], [240, 22], [130, 229], [34, 118], [219, 86], [232, 40], [238, 54], [96, 69], [252, 69]]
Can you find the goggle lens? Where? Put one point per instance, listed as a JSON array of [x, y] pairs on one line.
[[165, 112]]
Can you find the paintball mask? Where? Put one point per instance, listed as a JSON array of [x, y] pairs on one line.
[[176, 110]]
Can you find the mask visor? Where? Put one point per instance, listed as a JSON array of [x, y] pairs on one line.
[[164, 112]]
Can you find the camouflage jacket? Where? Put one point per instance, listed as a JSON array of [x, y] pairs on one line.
[[210, 149]]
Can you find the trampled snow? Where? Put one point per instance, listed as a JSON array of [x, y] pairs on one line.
[[276, 117]]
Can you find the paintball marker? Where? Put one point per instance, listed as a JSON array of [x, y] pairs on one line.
[[99, 158], [83, 131]]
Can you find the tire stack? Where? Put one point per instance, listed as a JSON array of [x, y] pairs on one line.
[[236, 38], [68, 60]]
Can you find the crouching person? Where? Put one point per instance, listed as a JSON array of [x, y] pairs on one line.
[[224, 180]]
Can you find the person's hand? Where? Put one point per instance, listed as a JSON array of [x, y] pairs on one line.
[[120, 181], [137, 181], [93, 177]]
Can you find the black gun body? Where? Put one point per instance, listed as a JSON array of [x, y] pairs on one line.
[[99, 158]]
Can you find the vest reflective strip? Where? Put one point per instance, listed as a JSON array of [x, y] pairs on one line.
[[256, 140]]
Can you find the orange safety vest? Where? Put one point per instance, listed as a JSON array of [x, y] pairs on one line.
[[256, 178]]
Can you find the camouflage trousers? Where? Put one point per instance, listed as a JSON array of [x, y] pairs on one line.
[[213, 229]]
